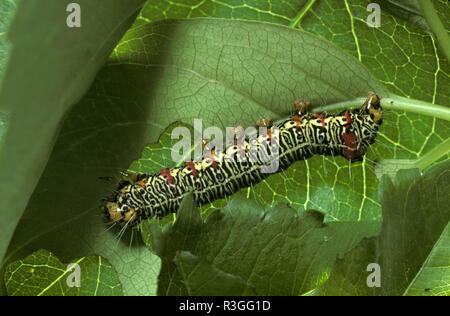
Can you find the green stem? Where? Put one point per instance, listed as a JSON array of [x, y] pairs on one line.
[[433, 155], [416, 106], [395, 102], [436, 25]]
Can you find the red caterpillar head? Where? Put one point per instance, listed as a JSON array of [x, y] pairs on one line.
[[358, 136]]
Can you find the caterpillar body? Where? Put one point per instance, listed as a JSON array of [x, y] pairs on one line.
[[348, 133]]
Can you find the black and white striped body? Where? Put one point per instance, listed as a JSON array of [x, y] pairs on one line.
[[220, 175]]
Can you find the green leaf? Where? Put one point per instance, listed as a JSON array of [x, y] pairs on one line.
[[42, 274], [264, 252], [434, 276], [442, 9], [226, 72], [267, 87], [277, 12], [390, 167], [4, 117], [436, 25], [49, 69], [157, 156], [415, 212], [7, 10], [408, 10], [406, 59], [131, 103], [203, 279]]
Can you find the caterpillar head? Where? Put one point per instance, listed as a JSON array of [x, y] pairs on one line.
[[358, 137], [118, 209], [372, 109], [120, 214], [123, 207]]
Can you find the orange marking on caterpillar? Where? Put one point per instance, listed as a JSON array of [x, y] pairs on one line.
[[210, 155], [141, 183], [321, 118], [166, 174], [191, 167], [130, 216], [269, 133], [298, 121]]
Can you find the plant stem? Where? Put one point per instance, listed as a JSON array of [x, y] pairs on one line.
[[416, 106], [436, 25], [394, 102], [433, 155]]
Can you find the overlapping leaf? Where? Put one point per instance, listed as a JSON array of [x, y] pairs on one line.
[[49, 69], [434, 276], [250, 250], [42, 274], [415, 213]]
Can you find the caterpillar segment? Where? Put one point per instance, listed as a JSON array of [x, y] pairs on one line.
[[220, 174]]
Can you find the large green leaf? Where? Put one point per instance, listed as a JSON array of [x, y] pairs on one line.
[[42, 274], [50, 67], [162, 73], [277, 12], [7, 10], [4, 117], [202, 279], [415, 212], [267, 252], [434, 276], [202, 77], [406, 59], [134, 99]]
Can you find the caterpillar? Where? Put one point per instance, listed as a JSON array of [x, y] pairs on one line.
[[304, 134]]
